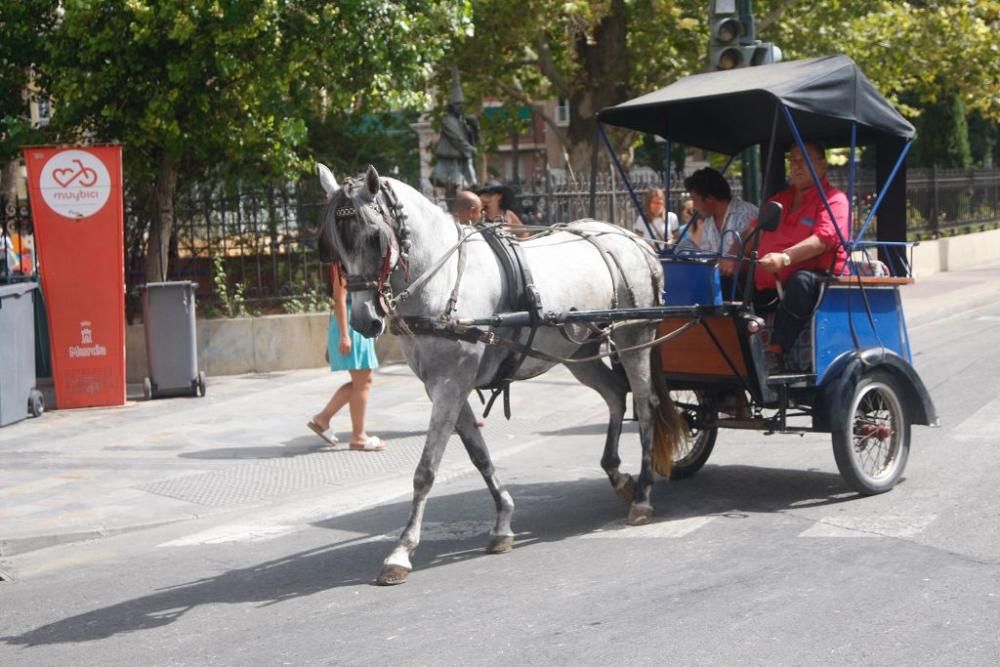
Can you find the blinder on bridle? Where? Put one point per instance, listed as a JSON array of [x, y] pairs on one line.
[[392, 233]]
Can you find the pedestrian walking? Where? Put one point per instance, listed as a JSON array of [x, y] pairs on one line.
[[347, 350]]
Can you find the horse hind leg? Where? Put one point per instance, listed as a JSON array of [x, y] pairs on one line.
[[613, 389], [501, 537]]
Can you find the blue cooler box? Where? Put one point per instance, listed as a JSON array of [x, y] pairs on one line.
[[691, 280]]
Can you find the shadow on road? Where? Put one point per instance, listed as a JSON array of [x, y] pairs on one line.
[[547, 512], [298, 446]]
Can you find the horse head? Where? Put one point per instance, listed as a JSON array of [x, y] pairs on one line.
[[358, 232]]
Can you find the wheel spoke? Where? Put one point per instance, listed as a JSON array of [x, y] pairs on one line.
[[874, 433]]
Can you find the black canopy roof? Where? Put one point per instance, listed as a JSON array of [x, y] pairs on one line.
[[728, 111]]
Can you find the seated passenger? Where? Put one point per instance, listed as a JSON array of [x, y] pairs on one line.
[[691, 236], [665, 229], [467, 209], [499, 205], [724, 216], [805, 245]]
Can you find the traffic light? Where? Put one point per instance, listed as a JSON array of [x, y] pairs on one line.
[[733, 41], [765, 53], [727, 38]]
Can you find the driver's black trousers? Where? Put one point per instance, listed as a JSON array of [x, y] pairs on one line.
[[793, 310]]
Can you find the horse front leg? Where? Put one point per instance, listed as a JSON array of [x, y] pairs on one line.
[[502, 536], [444, 411]]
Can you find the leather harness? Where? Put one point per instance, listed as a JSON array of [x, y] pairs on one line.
[[524, 296]]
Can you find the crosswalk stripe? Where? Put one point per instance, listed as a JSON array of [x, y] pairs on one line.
[[980, 424], [658, 529], [869, 526]]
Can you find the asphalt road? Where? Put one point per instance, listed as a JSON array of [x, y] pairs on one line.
[[763, 558]]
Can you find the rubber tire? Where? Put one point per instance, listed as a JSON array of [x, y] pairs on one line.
[[202, 384], [147, 389], [36, 403], [844, 451], [701, 442]]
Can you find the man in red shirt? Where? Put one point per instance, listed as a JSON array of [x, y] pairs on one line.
[[806, 243]]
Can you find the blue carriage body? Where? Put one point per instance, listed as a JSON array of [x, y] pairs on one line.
[[842, 325]]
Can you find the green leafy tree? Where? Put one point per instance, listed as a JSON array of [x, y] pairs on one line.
[[24, 25], [347, 142], [211, 88], [592, 53], [926, 48], [943, 135], [601, 52], [984, 139], [185, 84]]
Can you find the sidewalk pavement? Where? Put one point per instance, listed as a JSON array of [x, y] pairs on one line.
[[76, 475]]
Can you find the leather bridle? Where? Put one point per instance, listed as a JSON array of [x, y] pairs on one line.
[[393, 235]]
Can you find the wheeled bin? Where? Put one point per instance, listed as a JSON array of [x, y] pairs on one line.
[[171, 341], [18, 396]]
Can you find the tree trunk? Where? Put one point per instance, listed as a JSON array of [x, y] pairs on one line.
[[604, 60], [8, 181], [162, 223]]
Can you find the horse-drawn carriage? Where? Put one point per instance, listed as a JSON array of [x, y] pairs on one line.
[[475, 308], [852, 374]]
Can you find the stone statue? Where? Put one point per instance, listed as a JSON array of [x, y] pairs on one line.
[[456, 150]]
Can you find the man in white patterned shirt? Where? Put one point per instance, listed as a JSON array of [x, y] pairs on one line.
[[724, 217]]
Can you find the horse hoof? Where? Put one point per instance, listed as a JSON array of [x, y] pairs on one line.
[[500, 544], [392, 575], [639, 516], [626, 490]]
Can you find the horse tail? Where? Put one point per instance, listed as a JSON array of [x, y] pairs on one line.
[[669, 429]]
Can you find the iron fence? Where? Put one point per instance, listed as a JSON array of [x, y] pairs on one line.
[[17, 248], [264, 243]]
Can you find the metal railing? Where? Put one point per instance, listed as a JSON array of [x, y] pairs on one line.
[[265, 242]]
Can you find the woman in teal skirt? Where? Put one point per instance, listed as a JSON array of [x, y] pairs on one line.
[[347, 350]]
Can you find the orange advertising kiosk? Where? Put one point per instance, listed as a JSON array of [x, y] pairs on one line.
[[77, 210]]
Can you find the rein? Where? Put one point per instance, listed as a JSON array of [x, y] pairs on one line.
[[473, 334]]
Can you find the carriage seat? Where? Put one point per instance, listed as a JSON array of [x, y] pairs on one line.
[[870, 272]]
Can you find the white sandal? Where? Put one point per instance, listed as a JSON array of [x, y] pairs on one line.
[[372, 444], [325, 434]]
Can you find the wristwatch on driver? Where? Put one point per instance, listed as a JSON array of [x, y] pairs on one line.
[[785, 259]]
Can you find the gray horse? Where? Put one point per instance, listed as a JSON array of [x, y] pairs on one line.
[[402, 258]]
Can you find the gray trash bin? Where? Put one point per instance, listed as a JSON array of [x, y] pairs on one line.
[[171, 342], [18, 395]]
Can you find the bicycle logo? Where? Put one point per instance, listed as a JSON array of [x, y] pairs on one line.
[[85, 176], [75, 183]]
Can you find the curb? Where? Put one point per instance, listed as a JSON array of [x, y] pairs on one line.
[[21, 545]]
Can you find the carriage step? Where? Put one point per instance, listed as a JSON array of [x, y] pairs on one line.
[[791, 377]]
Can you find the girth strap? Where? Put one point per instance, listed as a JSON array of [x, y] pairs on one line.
[[523, 296]]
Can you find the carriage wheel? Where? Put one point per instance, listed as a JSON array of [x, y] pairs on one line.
[[697, 409], [872, 447]]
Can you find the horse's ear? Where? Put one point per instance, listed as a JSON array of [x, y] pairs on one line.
[[326, 179], [371, 181]]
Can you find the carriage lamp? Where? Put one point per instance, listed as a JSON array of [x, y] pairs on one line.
[[754, 324]]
